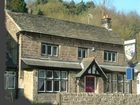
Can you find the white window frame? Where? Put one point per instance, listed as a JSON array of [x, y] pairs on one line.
[[81, 51], [123, 81], [52, 50], [7, 75], [64, 79], [52, 79], [43, 80], [49, 79], [107, 56]]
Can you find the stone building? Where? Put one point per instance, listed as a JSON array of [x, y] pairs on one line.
[[56, 56]]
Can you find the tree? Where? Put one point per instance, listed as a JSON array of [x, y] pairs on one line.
[[17, 6], [60, 1], [8, 4], [41, 1], [90, 4], [70, 7], [80, 7], [39, 12]]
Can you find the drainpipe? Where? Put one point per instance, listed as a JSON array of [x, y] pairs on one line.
[[18, 61]]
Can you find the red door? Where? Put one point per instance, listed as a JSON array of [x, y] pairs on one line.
[[90, 84]]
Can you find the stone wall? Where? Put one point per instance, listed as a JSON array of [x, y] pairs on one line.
[[98, 99], [11, 27], [12, 40], [68, 48], [28, 84]]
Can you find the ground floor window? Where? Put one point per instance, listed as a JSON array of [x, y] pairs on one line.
[[10, 80], [117, 83], [52, 80]]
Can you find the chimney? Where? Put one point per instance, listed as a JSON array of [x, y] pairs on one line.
[[106, 22]]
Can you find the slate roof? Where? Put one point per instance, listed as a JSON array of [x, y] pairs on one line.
[[55, 27], [50, 63], [86, 62], [114, 68]]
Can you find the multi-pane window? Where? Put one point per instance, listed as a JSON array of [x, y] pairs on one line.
[[10, 80], [49, 49], [52, 81], [117, 83], [82, 52], [110, 56]]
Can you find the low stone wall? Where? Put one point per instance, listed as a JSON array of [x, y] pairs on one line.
[[47, 98], [98, 99]]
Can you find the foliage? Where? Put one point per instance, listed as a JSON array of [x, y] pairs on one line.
[[80, 8], [124, 24], [39, 12], [90, 4], [17, 6], [70, 7], [41, 1], [60, 1]]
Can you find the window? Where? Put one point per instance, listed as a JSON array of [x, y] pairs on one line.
[[52, 81], [93, 70], [127, 85], [82, 52], [49, 49], [117, 83], [10, 80], [110, 56]]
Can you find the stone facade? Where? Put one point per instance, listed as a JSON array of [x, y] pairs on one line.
[[28, 84], [12, 40], [30, 47], [68, 48], [31, 87]]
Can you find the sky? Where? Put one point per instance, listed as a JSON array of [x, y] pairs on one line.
[[120, 5]]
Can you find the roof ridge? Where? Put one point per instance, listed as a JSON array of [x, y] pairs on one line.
[[64, 28], [34, 15]]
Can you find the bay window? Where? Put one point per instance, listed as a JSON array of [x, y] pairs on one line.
[[117, 83]]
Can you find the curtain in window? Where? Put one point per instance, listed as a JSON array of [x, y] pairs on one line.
[[41, 84]]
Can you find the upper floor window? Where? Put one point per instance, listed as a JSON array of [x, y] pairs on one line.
[[49, 49], [82, 52], [52, 81], [110, 56]]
